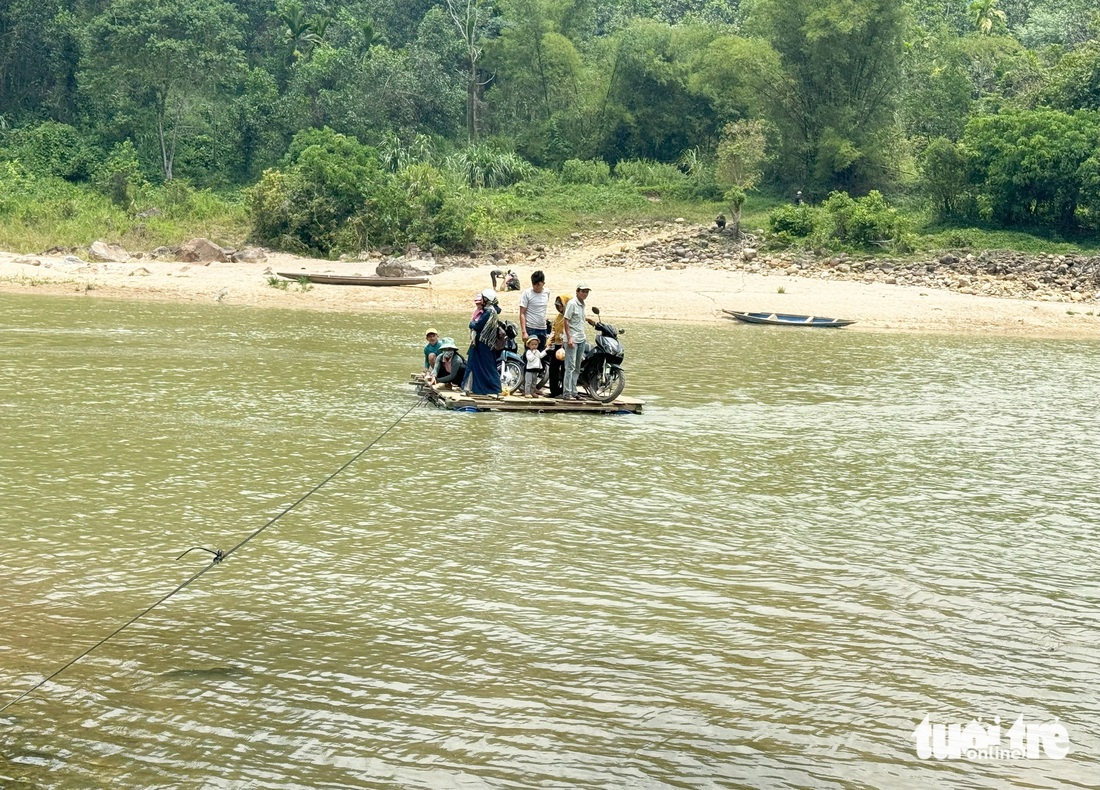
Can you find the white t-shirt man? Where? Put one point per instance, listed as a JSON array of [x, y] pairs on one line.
[[532, 307]]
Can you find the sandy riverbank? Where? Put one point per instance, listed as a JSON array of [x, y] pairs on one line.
[[696, 294]]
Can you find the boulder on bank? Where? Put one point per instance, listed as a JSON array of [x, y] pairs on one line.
[[250, 255], [108, 253], [395, 267], [202, 251]]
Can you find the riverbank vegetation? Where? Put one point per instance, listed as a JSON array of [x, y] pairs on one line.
[[332, 126]]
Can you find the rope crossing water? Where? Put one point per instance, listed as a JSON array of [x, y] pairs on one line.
[[219, 557]]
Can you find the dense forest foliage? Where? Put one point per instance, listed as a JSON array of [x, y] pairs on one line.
[[347, 123]]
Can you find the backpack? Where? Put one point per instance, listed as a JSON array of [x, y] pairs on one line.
[[501, 339]]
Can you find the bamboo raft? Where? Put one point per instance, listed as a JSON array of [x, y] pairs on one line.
[[455, 400]]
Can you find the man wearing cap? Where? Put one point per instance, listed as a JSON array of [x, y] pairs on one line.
[[431, 349], [575, 341]]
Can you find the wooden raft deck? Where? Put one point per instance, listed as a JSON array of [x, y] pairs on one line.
[[456, 401]]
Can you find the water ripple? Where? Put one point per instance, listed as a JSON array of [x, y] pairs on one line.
[[767, 579]]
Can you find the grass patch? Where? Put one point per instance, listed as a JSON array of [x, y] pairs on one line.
[[40, 213], [544, 209], [944, 237]]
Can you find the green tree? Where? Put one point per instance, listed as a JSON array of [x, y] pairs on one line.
[[331, 194], [649, 108], [945, 175], [311, 203], [1074, 82], [531, 56], [539, 76], [987, 17], [416, 89], [302, 32], [670, 12], [52, 149], [39, 51], [728, 73], [1002, 72], [836, 97], [949, 16], [471, 20], [152, 63], [1029, 165], [742, 150], [1067, 23], [398, 20], [258, 121], [937, 95]]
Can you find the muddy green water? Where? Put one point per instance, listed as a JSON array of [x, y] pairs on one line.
[[807, 543]]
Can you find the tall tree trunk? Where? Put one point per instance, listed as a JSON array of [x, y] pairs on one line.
[[469, 24], [471, 100], [162, 138], [166, 138]]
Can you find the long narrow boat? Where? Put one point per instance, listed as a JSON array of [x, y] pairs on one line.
[[352, 279], [787, 319]]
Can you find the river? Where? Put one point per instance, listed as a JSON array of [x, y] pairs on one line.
[[808, 542]]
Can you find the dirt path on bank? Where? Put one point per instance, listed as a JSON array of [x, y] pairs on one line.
[[696, 293]]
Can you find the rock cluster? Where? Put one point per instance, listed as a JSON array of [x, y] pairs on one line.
[[197, 250], [1006, 274]]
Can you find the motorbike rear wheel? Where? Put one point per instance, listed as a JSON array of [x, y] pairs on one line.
[[605, 385], [511, 377]]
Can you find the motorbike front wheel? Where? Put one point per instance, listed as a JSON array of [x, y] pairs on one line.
[[605, 384], [511, 377]]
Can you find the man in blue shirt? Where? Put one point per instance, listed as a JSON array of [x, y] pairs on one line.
[[431, 349]]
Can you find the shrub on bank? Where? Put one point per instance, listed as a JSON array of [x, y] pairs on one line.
[[332, 195], [665, 180], [586, 171], [866, 222], [51, 149], [842, 222]]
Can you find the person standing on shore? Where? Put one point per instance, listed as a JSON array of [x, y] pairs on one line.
[[533, 304], [575, 341]]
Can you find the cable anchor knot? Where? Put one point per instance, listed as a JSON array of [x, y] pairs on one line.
[[219, 555]]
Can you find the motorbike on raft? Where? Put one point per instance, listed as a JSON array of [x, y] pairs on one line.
[[510, 361], [602, 374]]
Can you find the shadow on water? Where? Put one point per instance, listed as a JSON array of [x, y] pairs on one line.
[[808, 542]]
